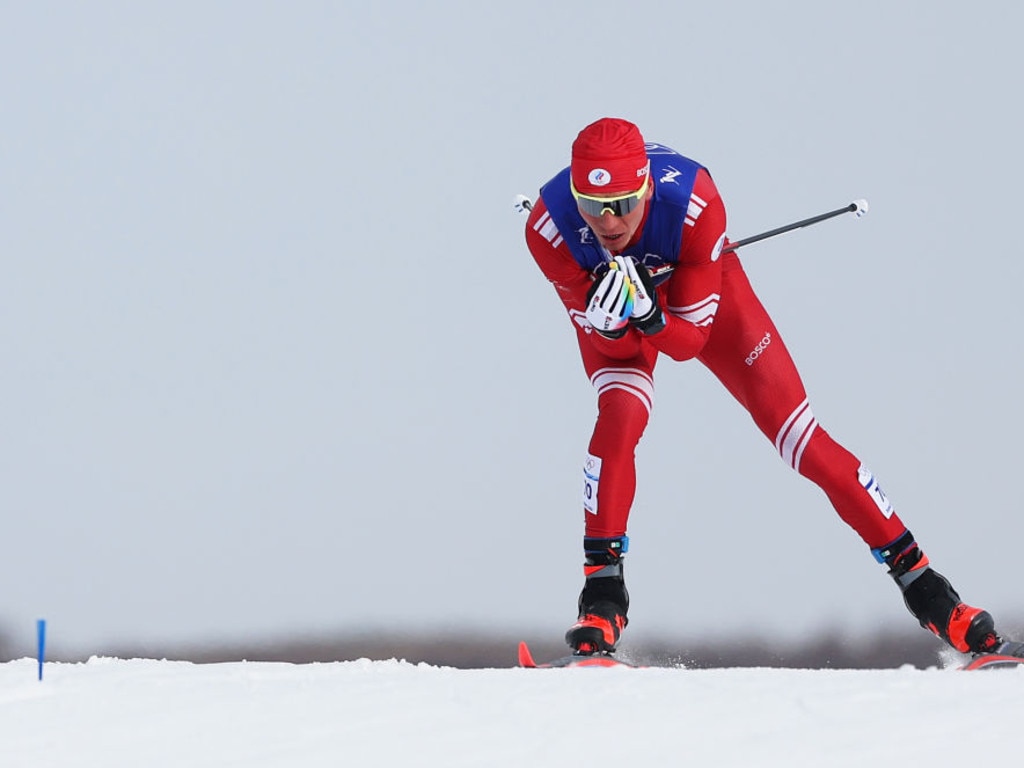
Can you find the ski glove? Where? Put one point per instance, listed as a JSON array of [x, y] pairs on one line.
[[646, 316], [610, 303]]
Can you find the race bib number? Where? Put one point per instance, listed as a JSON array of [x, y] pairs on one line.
[[867, 480], [591, 479]]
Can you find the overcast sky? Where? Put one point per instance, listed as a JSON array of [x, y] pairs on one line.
[[267, 368]]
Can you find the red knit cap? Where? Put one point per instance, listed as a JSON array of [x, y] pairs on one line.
[[608, 158]]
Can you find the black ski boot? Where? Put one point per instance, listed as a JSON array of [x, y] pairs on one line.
[[934, 602], [604, 600]]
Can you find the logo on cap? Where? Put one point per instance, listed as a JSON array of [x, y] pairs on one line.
[[599, 177]]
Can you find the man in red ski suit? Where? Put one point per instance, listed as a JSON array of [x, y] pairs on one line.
[[632, 236]]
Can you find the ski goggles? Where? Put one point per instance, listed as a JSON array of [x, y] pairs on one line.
[[619, 206]]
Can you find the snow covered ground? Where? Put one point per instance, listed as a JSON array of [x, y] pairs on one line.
[[110, 713]]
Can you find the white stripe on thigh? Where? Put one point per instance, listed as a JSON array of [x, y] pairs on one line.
[[632, 380]]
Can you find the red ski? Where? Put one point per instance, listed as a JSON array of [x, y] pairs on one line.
[[573, 660], [992, 661]]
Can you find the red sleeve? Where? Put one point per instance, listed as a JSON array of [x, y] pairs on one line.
[[572, 282], [690, 297]]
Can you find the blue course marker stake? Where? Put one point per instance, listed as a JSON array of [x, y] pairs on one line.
[[41, 638]]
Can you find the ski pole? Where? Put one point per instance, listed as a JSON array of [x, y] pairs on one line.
[[523, 204], [859, 207]]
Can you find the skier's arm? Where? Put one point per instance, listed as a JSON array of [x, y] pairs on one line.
[[689, 298]]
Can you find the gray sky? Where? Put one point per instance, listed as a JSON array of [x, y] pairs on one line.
[[267, 369]]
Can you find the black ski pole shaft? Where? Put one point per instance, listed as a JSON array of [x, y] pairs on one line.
[[860, 207], [523, 204]]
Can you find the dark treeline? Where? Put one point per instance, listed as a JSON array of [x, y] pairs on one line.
[[468, 650]]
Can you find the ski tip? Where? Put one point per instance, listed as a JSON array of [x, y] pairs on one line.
[[525, 657]]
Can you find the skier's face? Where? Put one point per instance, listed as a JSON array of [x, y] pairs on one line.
[[616, 232]]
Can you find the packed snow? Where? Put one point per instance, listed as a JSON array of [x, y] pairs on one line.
[[108, 713]]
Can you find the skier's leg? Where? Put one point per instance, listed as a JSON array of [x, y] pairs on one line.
[[748, 356], [625, 395]]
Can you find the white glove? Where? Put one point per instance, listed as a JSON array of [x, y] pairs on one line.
[[643, 303], [647, 316], [610, 303]]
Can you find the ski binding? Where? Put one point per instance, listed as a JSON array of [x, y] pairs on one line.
[[572, 660]]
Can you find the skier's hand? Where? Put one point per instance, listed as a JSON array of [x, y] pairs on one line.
[[647, 316], [610, 303]]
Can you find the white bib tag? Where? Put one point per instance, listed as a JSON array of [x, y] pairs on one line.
[[874, 491], [591, 478]]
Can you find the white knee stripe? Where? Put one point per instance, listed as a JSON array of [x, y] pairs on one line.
[[631, 380], [795, 434]]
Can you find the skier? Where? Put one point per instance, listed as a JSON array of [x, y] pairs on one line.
[[632, 237]]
